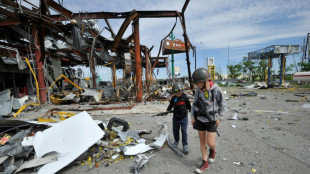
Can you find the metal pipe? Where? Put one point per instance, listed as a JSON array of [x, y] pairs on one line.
[[147, 78], [113, 77], [138, 61], [282, 58], [92, 64], [39, 64], [269, 70]]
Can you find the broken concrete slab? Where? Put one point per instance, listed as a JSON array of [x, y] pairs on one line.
[[70, 138]]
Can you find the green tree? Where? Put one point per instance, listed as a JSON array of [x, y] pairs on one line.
[[262, 65], [218, 74], [290, 68], [304, 66], [248, 66], [235, 71]]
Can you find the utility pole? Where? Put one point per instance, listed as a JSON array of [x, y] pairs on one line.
[[204, 55], [228, 63]]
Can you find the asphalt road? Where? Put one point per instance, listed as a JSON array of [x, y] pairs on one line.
[[277, 141]]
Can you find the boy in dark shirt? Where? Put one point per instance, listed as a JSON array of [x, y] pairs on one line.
[[181, 106]]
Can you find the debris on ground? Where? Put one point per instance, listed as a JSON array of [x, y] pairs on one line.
[[306, 106], [140, 162]]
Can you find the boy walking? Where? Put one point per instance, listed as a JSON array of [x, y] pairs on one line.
[[181, 106], [208, 98]]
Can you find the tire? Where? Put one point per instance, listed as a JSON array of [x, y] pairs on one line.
[[118, 122]]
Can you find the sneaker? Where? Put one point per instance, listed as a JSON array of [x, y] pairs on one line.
[[204, 166], [211, 158], [175, 144], [185, 149]]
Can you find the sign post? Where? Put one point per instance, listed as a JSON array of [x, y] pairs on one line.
[[211, 67]]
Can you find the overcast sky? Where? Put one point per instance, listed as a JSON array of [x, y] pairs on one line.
[[213, 24]]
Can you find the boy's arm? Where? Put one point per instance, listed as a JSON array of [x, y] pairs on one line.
[[222, 104], [188, 105], [171, 104], [193, 107]]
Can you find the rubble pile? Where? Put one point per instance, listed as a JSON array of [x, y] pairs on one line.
[[32, 146]]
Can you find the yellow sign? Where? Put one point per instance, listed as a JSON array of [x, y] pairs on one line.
[[211, 69]]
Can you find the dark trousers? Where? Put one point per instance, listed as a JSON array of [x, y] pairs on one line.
[[176, 128]]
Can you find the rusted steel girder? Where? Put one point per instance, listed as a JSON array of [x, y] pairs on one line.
[[185, 6], [6, 23], [15, 5], [122, 30], [9, 14], [129, 39], [114, 15], [110, 28], [87, 109], [138, 63], [59, 8], [39, 63], [187, 55]]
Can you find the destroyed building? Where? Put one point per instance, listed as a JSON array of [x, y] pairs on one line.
[[42, 48], [50, 40]]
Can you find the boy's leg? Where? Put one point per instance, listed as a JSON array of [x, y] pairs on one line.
[[211, 143], [184, 124], [176, 129], [203, 142]]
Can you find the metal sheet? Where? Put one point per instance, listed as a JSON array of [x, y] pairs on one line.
[[70, 138], [56, 64], [135, 150], [97, 94], [140, 162], [123, 135], [5, 96], [6, 108], [19, 102], [37, 162], [3, 158], [160, 141]]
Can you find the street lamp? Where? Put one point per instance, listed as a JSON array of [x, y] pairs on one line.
[[204, 53]]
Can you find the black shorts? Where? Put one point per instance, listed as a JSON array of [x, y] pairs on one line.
[[200, 126]]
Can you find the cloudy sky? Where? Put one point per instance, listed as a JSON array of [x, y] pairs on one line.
[[213, 24]]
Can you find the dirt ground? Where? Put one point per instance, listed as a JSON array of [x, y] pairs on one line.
[[269, 142]]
